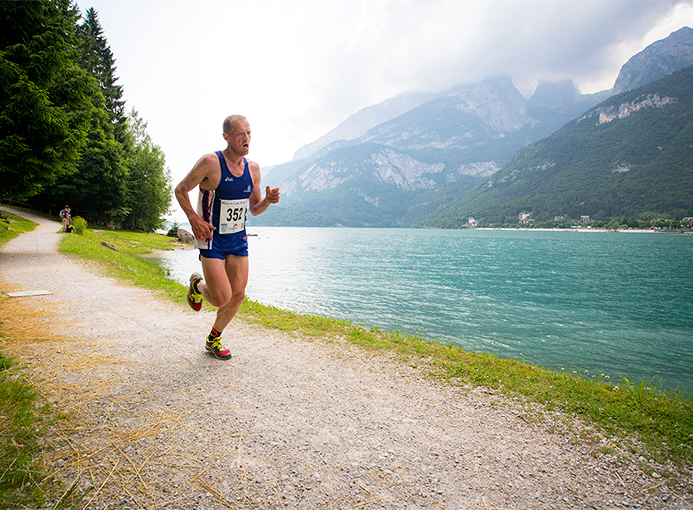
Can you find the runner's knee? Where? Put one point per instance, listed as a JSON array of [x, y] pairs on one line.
[[237, 297], [218, 297]]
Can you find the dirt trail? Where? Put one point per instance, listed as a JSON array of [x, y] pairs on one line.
[[286, 423]]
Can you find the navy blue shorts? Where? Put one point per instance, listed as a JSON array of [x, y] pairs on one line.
[[218, 253], [221, 246]]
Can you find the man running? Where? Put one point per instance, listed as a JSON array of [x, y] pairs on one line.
[[229, 184]]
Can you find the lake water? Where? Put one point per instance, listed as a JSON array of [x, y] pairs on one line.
[[620, 304]]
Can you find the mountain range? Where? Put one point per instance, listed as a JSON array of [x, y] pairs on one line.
[[435, 159], [630, 156]]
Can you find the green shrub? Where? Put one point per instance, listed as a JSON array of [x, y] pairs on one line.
[[173, 231], [79, 224]]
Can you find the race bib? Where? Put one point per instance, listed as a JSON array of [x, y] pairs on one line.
[[232, 216]]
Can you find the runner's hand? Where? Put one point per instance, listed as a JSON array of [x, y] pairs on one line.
[[201, 229], [272, 195]]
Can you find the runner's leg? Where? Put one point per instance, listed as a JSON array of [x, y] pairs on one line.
[[215, 288], [237, 277]]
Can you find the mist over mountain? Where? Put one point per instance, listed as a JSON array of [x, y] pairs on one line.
[[416, 156]]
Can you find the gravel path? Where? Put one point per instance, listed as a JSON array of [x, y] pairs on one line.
[[286, 423]]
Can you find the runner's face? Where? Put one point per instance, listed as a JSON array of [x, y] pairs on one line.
[[239, 137]]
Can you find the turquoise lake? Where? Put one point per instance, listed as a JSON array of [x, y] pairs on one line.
[[612, 303]]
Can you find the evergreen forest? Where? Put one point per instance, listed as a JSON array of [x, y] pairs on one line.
[[65, 135]]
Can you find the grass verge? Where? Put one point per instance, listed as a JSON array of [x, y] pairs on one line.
[[124, 255], [23, 416]]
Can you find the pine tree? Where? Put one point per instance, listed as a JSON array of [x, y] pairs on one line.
[[45, 98], [117, 176], [97, 59], [97, 190]]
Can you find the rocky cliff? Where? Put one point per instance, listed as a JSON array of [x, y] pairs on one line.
[[658, 60]]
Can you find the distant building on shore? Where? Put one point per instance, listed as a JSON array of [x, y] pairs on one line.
[[525, 217], [472, 222], [585, 218]]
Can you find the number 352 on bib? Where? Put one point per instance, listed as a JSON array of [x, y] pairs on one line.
[[232, 216]]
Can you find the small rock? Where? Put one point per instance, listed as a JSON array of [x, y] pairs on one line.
[[185, 236], [108, 245]]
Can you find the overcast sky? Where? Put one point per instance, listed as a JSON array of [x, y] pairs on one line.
[[297, 69]]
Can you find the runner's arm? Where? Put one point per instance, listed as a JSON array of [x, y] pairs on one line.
[[199, 173], [256, 203]]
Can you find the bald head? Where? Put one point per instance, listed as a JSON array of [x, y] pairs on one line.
[[230, 121]]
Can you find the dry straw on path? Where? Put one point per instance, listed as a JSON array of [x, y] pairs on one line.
[[155, 423]]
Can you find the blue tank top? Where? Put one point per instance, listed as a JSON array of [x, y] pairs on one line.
[[225, 208]]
